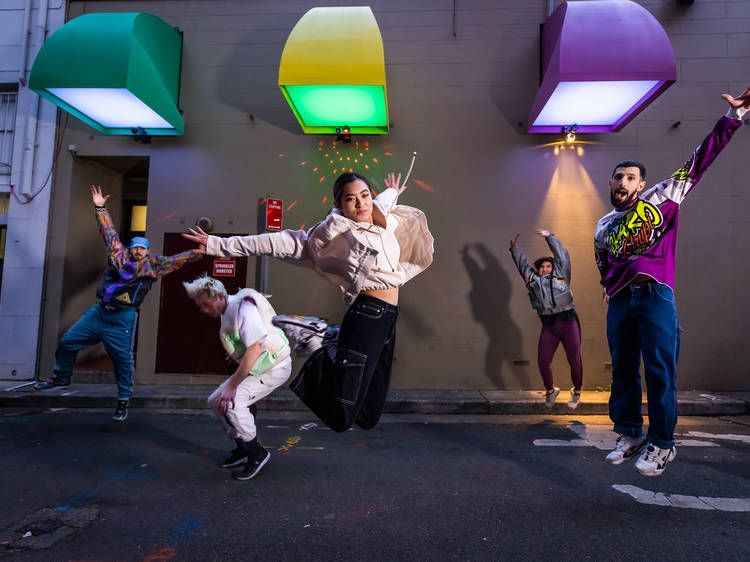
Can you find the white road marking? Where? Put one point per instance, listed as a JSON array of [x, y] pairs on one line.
[[685, 502], [307, 426], [602, 437], [709, 396], [730, 436]]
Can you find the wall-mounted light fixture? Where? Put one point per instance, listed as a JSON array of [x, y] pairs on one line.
[[117, 72], [332, 72], [603, 62], [570, 133]]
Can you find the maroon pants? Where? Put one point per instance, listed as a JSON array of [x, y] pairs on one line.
[[567, 332]]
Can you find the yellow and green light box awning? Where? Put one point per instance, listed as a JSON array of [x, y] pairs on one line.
[[332, 71]]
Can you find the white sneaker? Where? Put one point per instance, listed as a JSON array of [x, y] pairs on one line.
[[626, 447], [549, 400], [654, 460], [307, 332], [575, 398]]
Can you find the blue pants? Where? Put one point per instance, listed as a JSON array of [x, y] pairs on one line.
[[642, 320], [115, 327]]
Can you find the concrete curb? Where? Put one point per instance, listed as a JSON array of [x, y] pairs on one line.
[[463, 402]]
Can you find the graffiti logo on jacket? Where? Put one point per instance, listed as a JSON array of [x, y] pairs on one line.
[[635, 231]]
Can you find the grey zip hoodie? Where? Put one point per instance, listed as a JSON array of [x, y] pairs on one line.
[[549, 294]]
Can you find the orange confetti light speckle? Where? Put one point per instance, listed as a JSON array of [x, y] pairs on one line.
[[303, 163], [322, 178], [333, 172], [388, 154], [292, 205], [355, 160], [331, 161], [367, 143], [351, 170], [348, 158], [425, 186], [374, 159], [367, 167], [302, 226], [325, 198], [263, 202], [326, 155], [282, 155], [315, 169], [320, 143]]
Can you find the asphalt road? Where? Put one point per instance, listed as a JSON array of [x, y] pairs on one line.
[[76, 486]]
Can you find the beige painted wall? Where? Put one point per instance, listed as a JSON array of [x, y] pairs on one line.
[[461, 102]]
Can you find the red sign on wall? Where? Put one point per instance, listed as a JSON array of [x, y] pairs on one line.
[[224, 267], [274, 211]]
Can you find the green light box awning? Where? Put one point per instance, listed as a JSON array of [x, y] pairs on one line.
[[116, 72], [332, 71]]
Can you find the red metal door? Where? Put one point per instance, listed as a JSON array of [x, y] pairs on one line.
[[188, 341]]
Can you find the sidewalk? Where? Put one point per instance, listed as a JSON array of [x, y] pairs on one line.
[[193, 397]]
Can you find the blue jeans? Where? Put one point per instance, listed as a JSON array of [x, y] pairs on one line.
[[112, 325], [354, 387], [642, 320]]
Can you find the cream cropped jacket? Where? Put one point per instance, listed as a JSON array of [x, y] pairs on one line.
[[339, 249]]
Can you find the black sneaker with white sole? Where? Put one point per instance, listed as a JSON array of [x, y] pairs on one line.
[[54, 382], [253, 466], [121, 410], [235, 458]]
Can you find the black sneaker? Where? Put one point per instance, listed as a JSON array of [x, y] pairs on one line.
[[121, 410], [253, 466], [54, 382], [238, 456]]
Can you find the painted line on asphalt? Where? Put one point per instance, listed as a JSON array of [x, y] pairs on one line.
[[602, 437], [730, 436], [684, 502]]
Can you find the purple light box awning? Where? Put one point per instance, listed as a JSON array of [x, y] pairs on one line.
[[603, 62]]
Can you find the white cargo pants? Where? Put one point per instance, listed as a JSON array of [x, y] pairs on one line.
[[238, 422]]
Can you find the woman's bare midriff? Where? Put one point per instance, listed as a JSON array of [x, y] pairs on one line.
[[388, 295]]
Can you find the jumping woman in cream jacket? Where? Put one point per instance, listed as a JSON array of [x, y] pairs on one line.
[[368, 247]]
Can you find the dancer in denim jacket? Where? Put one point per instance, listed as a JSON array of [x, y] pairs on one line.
[[367, 247]]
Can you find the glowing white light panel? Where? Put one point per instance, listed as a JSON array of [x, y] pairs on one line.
[[111, 107], [592, 103]]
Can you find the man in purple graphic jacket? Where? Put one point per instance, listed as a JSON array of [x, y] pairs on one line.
[[635, 248]]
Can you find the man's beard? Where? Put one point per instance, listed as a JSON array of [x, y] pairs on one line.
[[625, 203]]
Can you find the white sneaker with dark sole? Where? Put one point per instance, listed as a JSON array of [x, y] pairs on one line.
[[625, 448], [550, 397], [654, 460], [575, 398]]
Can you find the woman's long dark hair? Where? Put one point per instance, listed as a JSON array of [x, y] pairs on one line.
[[343, 179]]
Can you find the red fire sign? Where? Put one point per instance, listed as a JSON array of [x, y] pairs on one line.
[[224, 267], [274, 211]]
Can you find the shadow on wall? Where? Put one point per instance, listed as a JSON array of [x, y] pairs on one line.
[[514, 75], [249, 79], [489, 298]]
